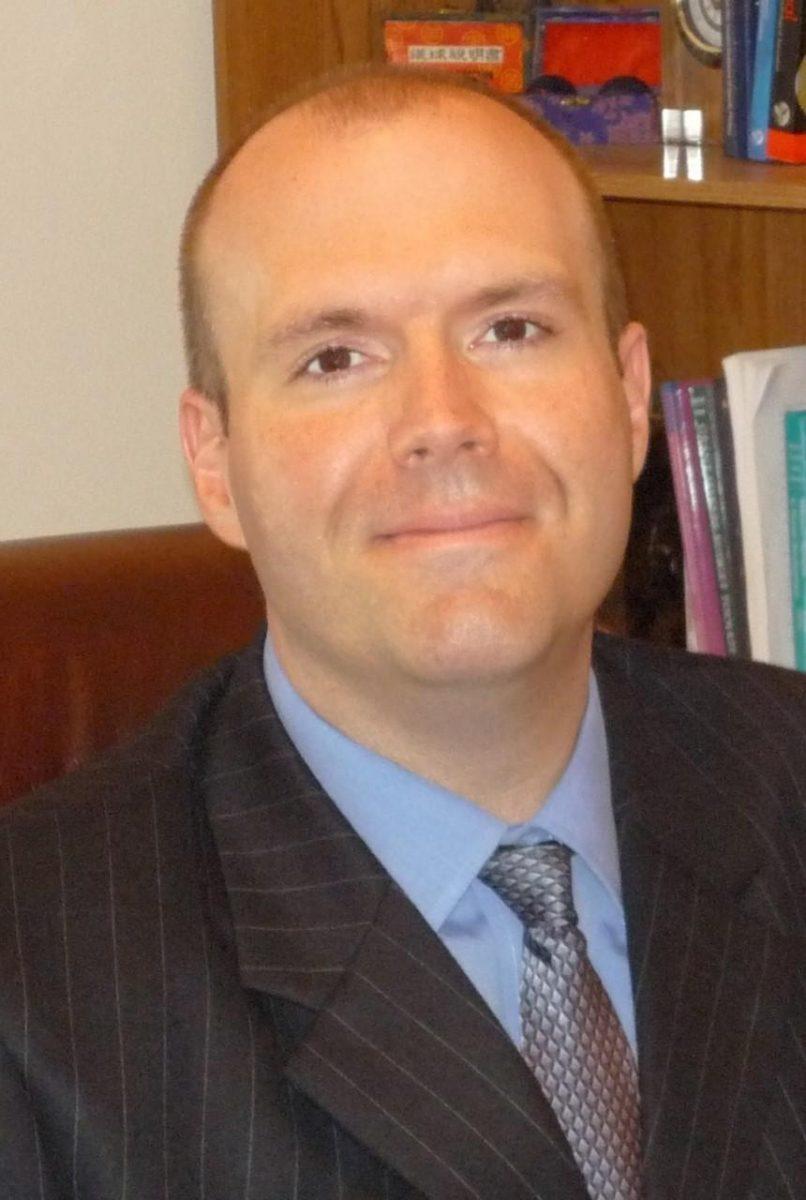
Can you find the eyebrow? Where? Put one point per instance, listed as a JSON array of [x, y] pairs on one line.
[[312, 324], [346, 319], [532, 287]]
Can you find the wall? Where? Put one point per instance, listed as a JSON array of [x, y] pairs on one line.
[[106, 125]]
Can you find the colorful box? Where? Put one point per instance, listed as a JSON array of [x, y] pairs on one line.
[[495, 49], [596, 73]]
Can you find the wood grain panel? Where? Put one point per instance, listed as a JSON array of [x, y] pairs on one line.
[[708, 281], [264, 49], [688, 83]]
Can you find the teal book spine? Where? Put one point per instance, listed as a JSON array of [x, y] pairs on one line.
[[795, 425]]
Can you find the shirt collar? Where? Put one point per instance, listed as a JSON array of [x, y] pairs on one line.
[[431, 841], [579, 808]]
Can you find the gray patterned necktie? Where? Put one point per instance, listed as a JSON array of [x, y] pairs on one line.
[[572, 1038]]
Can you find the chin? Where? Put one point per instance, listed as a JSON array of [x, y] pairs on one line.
[[458, 641]]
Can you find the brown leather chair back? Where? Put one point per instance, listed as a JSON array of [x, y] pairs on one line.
[[98, 630]]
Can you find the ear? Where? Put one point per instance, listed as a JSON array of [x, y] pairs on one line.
[[636, 378], [206, 448]]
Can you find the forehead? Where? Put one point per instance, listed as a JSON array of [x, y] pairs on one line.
[[459, 177]]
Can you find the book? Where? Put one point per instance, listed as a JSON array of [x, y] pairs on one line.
[[762, 386], [795, 432], [763, 70], [704, 626], [715, 450], [739, 19], [734, 521], [786, 137]]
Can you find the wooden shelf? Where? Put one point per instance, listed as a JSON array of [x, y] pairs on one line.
[[636, 173]]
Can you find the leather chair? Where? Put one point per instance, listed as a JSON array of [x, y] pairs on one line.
[[98, 630]]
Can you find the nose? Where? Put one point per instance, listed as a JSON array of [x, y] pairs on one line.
[[441, 414]]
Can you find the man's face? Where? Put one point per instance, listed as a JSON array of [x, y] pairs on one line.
[[431, 445]]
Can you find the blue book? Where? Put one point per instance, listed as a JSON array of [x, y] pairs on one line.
[[763, 72], [748, 67], [739, 19], [795, 426]]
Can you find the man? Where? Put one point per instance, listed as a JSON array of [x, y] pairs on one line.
[[270, 948]]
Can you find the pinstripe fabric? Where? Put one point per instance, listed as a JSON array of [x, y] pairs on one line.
[[211, 988], [709, 778]]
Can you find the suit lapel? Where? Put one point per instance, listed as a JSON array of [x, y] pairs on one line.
[[397, 1044], [407, 1056], [712, 981]]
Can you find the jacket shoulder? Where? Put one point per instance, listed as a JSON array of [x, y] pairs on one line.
[[729, 732], [651, 666]]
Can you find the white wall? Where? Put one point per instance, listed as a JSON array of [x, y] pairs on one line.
[[106, 125]]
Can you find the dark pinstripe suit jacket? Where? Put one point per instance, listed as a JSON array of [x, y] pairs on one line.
[[209, 987]]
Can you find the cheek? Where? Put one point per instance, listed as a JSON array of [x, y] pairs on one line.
[[584, 439], [579, 420], [294, 475]]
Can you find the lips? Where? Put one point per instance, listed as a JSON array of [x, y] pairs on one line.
[[453, 521]]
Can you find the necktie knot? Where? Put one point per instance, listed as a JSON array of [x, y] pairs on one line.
[[535, 882]]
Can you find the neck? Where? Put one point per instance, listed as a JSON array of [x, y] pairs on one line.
[[502, 744]]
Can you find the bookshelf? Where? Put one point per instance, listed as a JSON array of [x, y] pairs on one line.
[[712, 266], [636, 173]]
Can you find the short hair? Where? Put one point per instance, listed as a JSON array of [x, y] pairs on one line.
[[369, 93]]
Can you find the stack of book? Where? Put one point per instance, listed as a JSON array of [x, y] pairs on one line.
[[764, 79], [737, 449]]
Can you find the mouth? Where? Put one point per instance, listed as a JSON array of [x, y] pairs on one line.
[[457, 526]]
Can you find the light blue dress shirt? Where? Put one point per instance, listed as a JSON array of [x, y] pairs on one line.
[[434, 843]]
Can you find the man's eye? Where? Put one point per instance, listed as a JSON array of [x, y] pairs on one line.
[[510, 329], [332, 361]]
